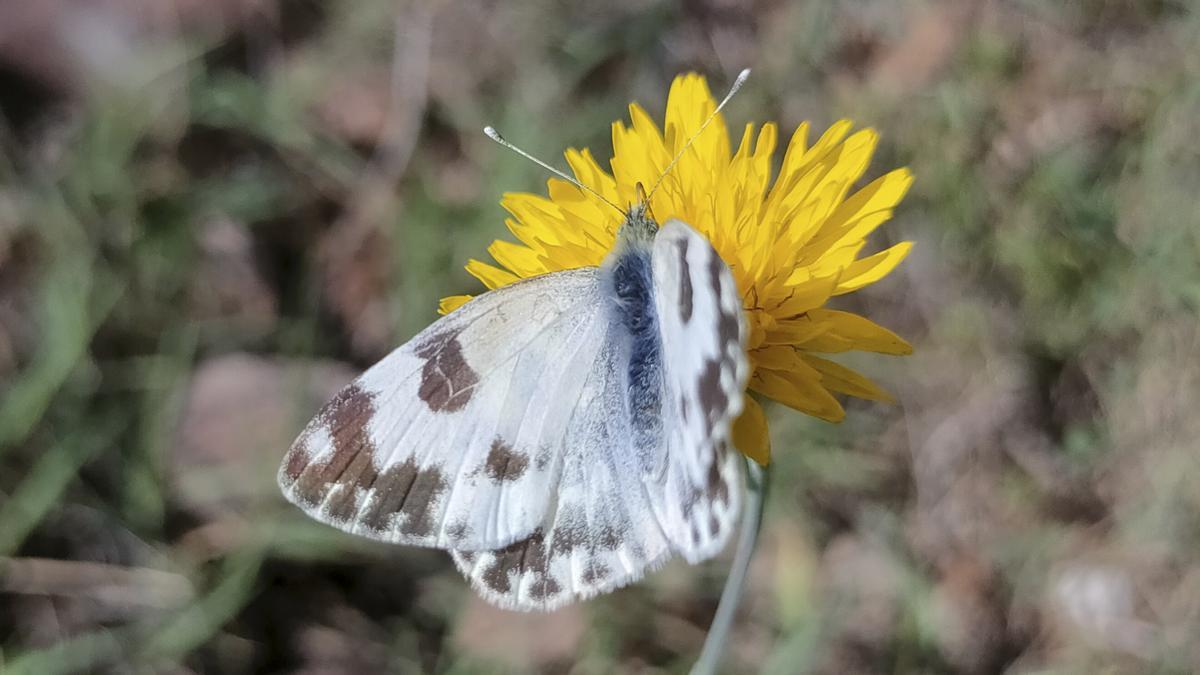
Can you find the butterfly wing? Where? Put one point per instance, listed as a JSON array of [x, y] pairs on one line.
[[601, 532], [705, 368], [454, 440]]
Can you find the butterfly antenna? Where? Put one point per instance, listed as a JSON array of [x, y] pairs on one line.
[[495, 136], [737, 84], [644, 199]]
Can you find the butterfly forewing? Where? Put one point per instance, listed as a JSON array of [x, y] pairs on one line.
[[454, 439], [705, 368]]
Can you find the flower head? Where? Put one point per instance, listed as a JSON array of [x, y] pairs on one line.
[[792, 244]]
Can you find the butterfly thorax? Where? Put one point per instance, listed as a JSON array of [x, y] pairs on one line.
[[629, 283]]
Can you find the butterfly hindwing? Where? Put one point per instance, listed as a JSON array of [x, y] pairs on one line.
[[454, 439], [705, 368]]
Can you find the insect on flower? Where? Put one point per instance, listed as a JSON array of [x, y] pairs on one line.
[[578, 425]]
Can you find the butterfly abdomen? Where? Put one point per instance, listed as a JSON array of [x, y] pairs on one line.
[[633, 302]]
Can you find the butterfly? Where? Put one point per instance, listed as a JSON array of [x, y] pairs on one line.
[[560, 436]]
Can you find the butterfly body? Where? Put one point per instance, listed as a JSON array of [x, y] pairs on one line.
[[560, 436], [627, 276]]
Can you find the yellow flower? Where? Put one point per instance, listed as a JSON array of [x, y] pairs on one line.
[[791, 245]]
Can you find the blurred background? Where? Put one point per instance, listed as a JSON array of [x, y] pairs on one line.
[[215, 213]]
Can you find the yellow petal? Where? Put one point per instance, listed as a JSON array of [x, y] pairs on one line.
[[490, 275], [751, 434], [872, 268], [881, 194], [796, 331], [523, 261], [801, 390], [850, 331], [776, 357], [828, 142], [852, 234], [643, 125], [689, 103], [794, 154], [846, 164], [582, 216], [805, 297], [590, 173], [839, 378], [452, 302], [836, 260]]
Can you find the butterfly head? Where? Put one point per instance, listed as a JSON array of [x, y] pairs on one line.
[[639, 225]]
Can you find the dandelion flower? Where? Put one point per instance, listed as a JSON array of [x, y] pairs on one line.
[[792, 243]]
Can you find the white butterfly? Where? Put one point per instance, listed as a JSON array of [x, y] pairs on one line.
[[560, 436]]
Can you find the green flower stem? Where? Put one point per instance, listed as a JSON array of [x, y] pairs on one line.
[[752, 514]]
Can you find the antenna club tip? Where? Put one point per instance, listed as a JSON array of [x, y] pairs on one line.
[[491, 133], [744, 74]]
